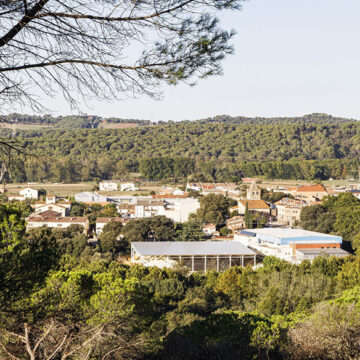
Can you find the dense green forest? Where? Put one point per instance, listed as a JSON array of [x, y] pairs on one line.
[[201, 151], [63, 296], [93, 121], [316, 118]]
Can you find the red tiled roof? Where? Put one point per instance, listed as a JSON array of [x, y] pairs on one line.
[[105, 220], [208, 186], [47, 214], [208, 226], [170, 196], [102, 203], [65, 219], [255, 204], [311, 188]]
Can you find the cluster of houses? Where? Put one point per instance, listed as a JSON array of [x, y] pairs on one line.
[[229, 189], [55, 213], [175, 207], [240, 248]]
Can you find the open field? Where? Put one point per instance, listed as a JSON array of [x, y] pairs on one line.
[[71, 189], [105, 125], [56, 188], [26, 126], [145, 188], [327, 183]]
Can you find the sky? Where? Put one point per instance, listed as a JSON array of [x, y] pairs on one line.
[[291, 58]]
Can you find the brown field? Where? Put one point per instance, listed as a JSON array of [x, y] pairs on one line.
[[52, 188], [117, 126], [26, 126], [328, 183], [71, 189], [144, 189]]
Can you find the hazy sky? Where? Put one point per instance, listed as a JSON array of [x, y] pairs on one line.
[[291, 58]]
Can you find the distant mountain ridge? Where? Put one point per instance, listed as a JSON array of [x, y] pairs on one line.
[[316, 146], [315, 118], [31, 122]]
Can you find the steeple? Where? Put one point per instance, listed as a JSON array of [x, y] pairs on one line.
[[254, 192]]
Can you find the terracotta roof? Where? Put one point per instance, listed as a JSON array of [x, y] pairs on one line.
[[102, 203], [311, 188], [208, 226], [48, 213], [66, 219], [233, 208], [58, 202], [255, 204], [208, 186], [105, 220], [235, 219], [290, 202], [249, 179], [150, 203], [223, 237], [125, 206], [170, 196], [55, 205]]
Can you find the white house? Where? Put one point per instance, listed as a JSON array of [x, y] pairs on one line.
[[90, 197], [102, 221], [57, 222], [51, 199], [128, 187], [288, 210], [108, 186], [53, 207], [30, 193], [179, 208], [126, 211], [149, 208], [209, 229]]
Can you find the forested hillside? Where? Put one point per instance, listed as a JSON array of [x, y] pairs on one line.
[[93, 121], [203, 151], [316, 118]]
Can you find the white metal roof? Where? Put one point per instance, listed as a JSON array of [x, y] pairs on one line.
[[336, 251], [290, 233], [189, 248]]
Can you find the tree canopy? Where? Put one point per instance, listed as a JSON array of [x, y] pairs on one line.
[[106, 49]]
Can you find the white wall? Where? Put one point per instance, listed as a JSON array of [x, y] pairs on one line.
[[30, 193]]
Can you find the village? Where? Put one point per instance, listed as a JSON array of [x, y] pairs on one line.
[[276, 232]]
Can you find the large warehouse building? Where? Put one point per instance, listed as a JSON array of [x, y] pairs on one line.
[[197, 256], [292, 245]]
